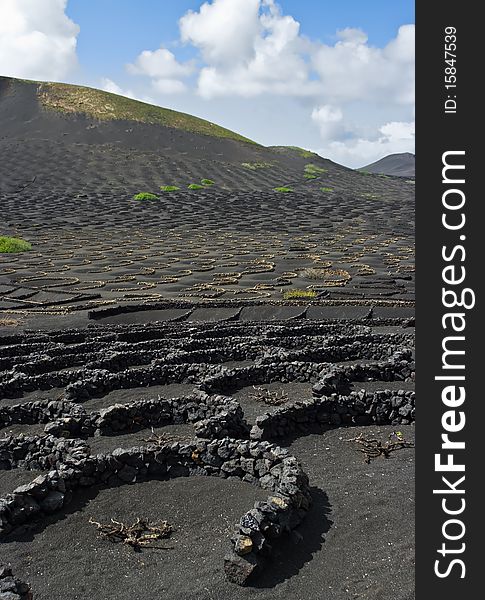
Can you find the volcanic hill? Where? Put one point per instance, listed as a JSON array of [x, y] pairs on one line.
[[73, 137], [62, 134], [399, 165]]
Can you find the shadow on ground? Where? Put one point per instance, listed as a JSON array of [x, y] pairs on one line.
[[292, 553]]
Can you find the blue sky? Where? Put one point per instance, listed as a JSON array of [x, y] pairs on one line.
[[114, 31], [334, 77]]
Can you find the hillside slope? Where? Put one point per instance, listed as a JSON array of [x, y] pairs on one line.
[[401, 165], [66, 138], [41, 101], [74, 137]]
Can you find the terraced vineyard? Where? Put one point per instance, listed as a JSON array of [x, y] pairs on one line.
[[206, 356], [91, 251], [154, 402]]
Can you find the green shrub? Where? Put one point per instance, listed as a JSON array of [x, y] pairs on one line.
[[195, 186], [145, 196], [10, 245], [207, 182], [326, 189], [299, 294], [283, 190], [313, 171], [169, 188]]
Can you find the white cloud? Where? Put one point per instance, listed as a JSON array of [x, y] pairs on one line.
[[397, 130], [393, 137], [351, 69], [358, 78], [108, 85], [250, 48], [351, 35], [163, 68], [37, 39], [223, 30], [159, 64], [330, 121], [169, 86]]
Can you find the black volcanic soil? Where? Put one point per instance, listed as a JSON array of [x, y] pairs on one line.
[[9, 480], [68, 560], [90, 249], [253, 407], [358, 539]]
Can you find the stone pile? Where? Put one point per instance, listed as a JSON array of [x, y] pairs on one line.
[[36, 452], [12, 588]]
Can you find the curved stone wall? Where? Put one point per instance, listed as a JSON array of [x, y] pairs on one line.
[[257, 463], [359, 408], [328, 356]]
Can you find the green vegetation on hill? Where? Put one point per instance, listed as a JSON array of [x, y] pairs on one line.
[[169, 188], [283, 190], [313, 171], [195, 186], [105, 106], [207, 182], [10, 245], [145, 196]]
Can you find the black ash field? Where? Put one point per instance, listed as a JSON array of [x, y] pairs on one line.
[[216, 356]]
